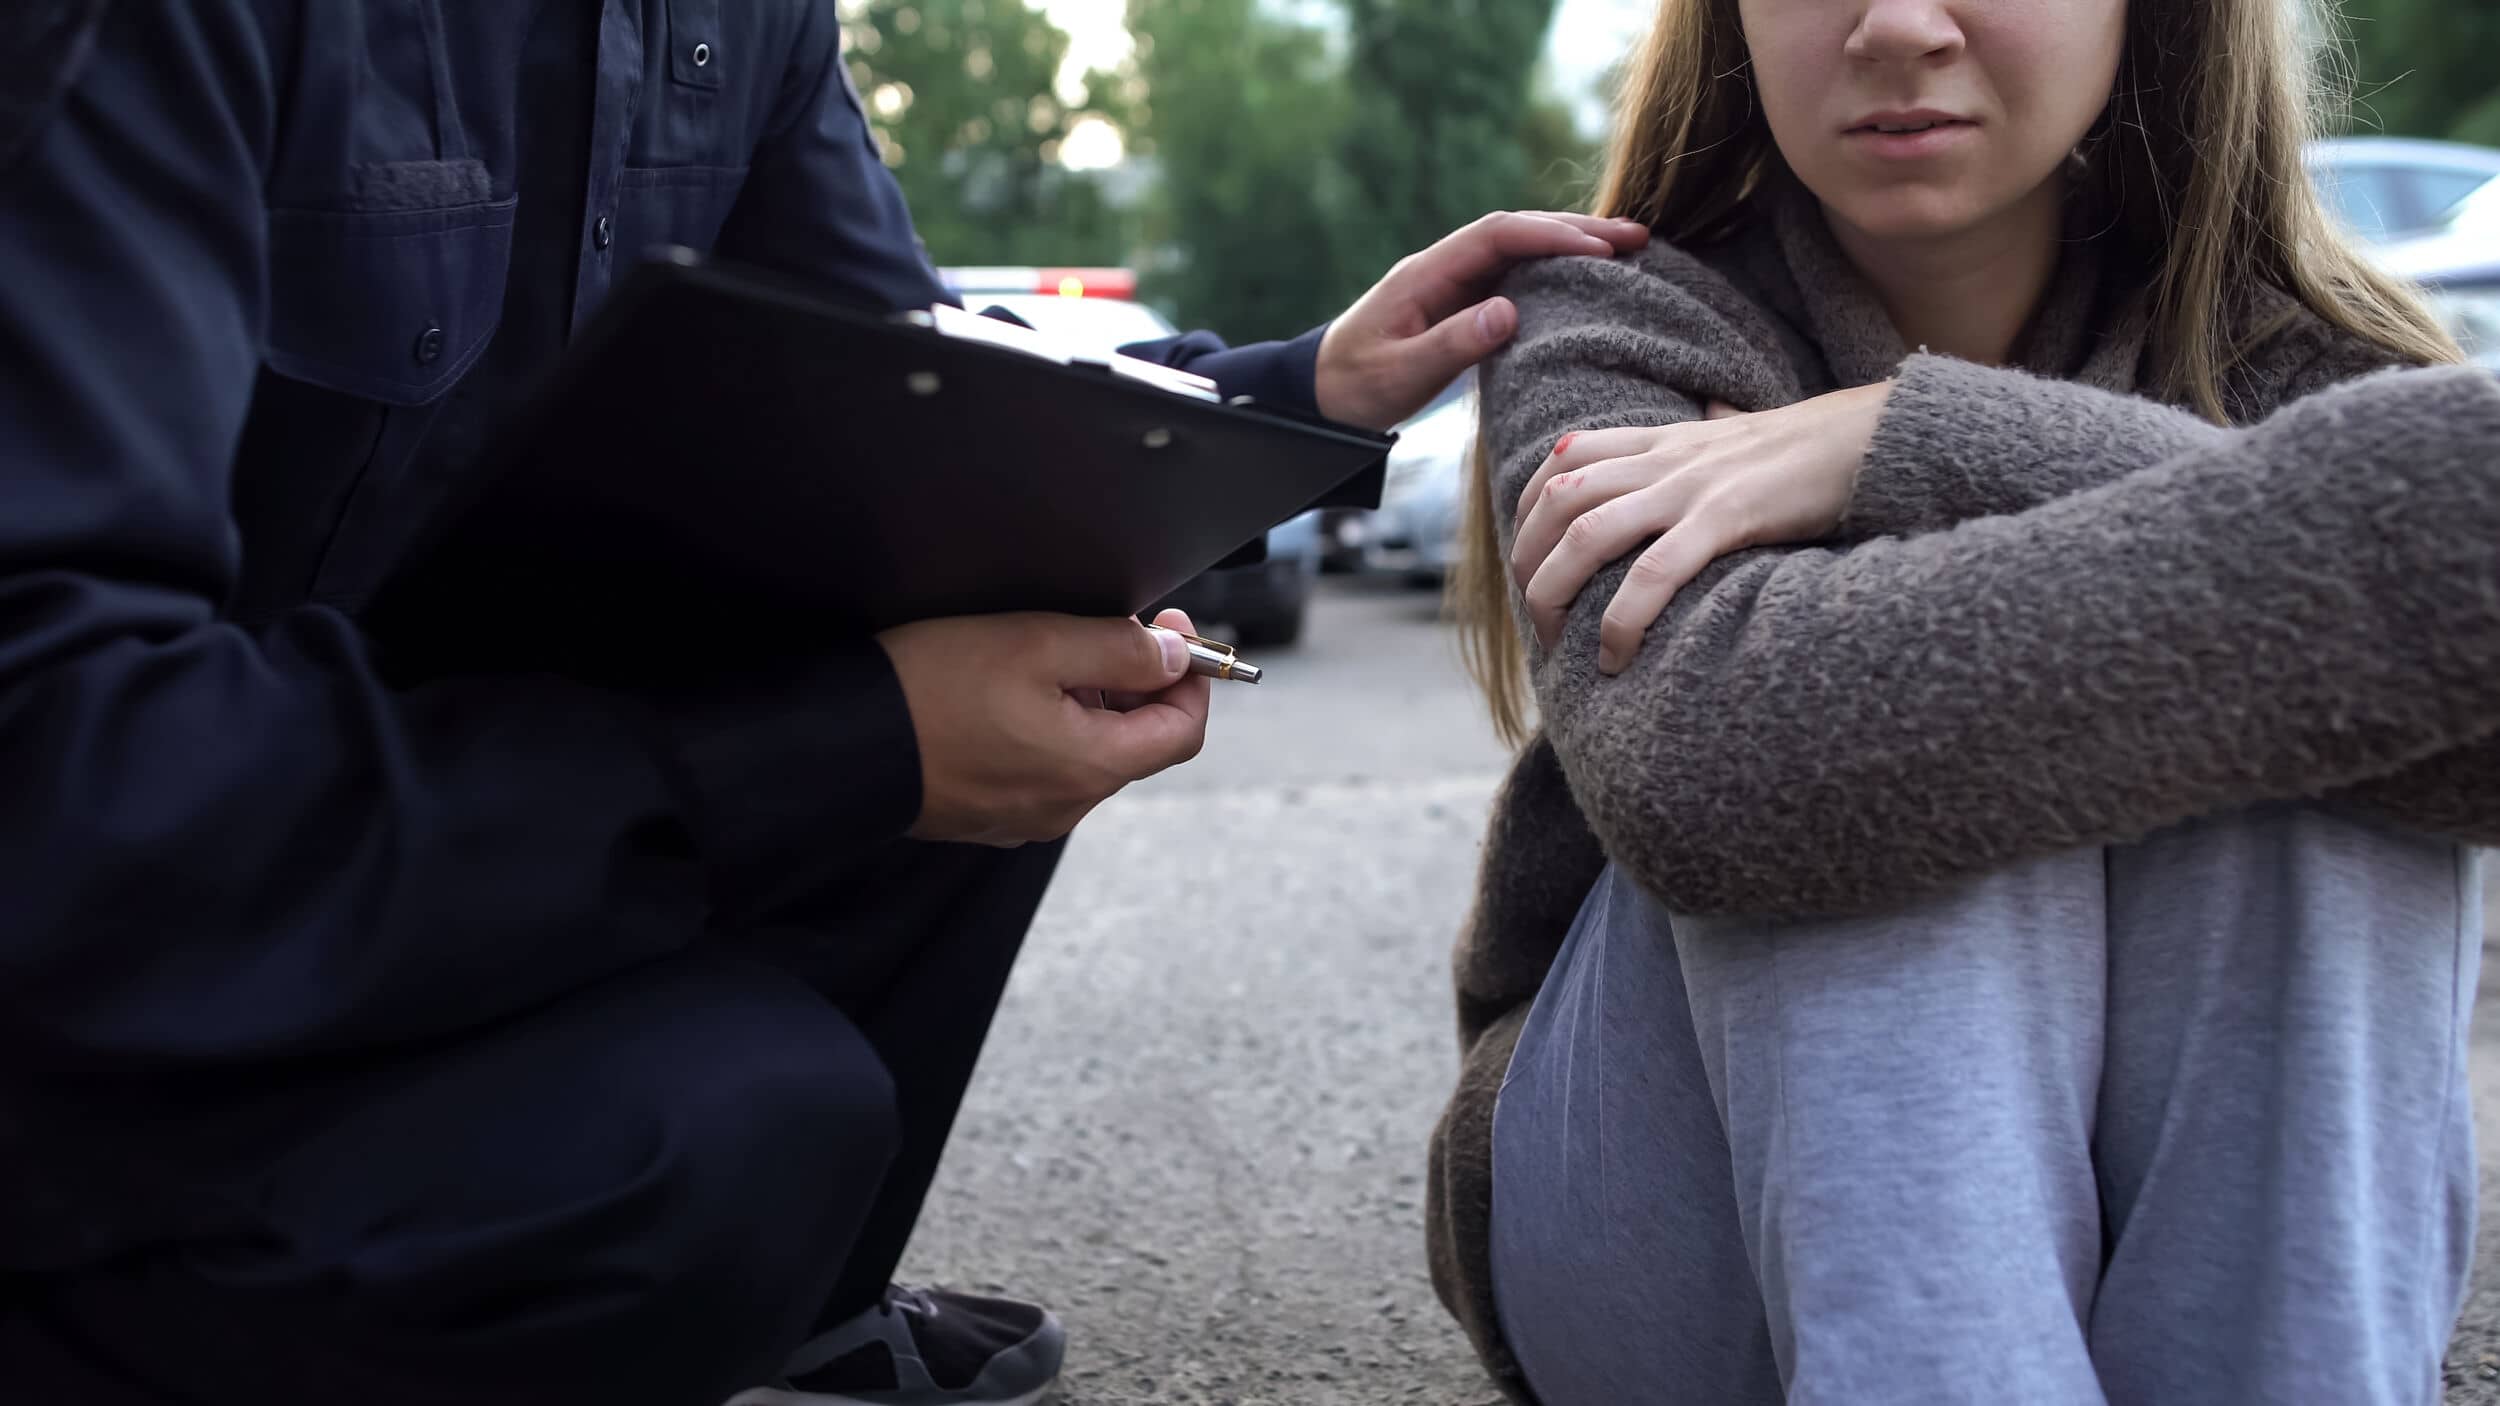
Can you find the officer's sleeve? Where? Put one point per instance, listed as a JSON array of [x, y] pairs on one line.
[[218, 844], [1279, 373], [818, 201]]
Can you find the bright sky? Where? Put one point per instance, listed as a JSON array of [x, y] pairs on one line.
[[1097, 38], [1588, 35], [1097, 31]]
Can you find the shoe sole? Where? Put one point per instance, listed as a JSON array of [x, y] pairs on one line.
[[1049, 1343], [772, 1396]]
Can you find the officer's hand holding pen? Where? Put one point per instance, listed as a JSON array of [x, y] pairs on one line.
[[1025, 723], [1212, 660]]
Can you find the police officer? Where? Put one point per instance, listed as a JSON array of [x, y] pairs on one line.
[[499, 1039]]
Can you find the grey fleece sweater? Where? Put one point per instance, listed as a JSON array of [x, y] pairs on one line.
[[2056, 614]]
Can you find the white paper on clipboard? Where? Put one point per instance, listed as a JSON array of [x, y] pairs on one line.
[[956, 322]]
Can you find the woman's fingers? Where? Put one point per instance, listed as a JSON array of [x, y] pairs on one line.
[[1668, 566], [1567, 498], [1592, 540], [1578, 450]]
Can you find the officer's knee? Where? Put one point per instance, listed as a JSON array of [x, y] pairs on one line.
[[769, 1139], [649, 1191], [777, 1150]]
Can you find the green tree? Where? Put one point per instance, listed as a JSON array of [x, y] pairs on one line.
[[1442, 113], [1297, 164], [2425, 68], [962, 97], [1242, 114], [1561, 166], [2481, 123]]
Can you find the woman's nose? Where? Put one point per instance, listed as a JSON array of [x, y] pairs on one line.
[[1902, 31]]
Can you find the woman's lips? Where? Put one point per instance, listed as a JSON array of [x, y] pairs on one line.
[[1907, 138]]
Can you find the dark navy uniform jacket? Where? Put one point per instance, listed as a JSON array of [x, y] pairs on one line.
[[269, 272]]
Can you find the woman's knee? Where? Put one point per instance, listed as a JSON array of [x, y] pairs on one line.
[[1998, 982], [1914, 1088]]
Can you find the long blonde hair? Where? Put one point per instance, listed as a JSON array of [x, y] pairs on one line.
[[2195, 166]]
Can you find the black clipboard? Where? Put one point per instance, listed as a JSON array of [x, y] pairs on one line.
[[725, 451]]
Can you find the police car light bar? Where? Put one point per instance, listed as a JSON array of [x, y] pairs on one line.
[[1066, 282]]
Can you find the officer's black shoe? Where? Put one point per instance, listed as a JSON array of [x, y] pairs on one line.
[[926, 1347]]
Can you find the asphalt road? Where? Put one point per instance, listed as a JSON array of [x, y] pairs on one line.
[[1198, 1129]]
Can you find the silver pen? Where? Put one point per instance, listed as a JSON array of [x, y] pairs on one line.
[[1221, 662]]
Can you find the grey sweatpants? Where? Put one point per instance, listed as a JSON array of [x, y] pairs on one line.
[[2182, 1121]]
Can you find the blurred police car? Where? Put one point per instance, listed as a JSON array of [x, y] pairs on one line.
[[1096, 310]]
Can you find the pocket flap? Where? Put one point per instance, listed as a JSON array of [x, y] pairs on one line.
[[388, 304], [694, 42]]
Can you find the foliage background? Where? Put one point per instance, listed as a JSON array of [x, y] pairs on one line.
[[1283, 152], [1280, 158], [2426, 68]]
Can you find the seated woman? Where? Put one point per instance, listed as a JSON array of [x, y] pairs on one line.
[[1989, 916]]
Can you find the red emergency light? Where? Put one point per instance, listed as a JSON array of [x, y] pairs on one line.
[[1089, 283], [1059, 282]]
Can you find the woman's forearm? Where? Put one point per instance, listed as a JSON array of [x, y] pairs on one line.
[[2276, 612], [1960, 441]]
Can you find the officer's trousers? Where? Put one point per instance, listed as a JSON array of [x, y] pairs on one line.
[[646, 1193]]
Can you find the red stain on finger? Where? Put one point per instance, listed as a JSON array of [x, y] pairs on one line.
[[1565, 442]]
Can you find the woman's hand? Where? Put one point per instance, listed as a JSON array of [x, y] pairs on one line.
[[1710, 486]]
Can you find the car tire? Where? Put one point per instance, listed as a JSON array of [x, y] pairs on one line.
[[1276, 630]]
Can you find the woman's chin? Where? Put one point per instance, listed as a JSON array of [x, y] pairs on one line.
[[1917, 212]]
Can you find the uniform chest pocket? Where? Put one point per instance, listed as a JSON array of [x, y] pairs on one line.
[[389, 304], [377, 310], [674, 205]]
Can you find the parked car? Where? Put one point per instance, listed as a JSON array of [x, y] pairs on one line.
[[1262, 604], [1349, 536], [1342, 532], [2457, 265], [1415, 530], [2392, 188]]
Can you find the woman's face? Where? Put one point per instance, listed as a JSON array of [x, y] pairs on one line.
[[1913, 119]]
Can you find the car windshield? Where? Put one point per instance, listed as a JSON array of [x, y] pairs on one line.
[[1091, 325], [2354, 194], [2478, 213]]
